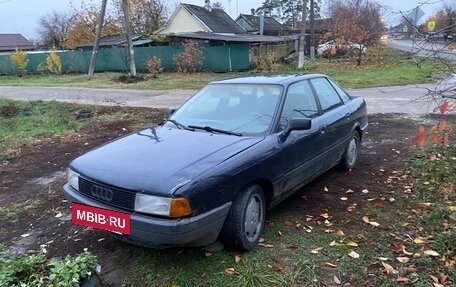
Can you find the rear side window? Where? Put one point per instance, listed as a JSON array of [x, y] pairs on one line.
[[345, 97], [327, 95]]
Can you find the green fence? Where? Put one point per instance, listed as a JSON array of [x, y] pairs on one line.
[[234, 57]]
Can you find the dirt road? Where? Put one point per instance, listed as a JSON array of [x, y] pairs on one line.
[[403, 99]]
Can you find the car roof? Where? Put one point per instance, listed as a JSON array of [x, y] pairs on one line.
[[278, 79]]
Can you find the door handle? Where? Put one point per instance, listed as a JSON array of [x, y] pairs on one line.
[[347, 116], [322, 130]]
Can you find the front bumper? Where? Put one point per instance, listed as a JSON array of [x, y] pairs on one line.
[[154, 232]]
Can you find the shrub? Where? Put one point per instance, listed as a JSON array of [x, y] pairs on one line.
[[191, 59], [36, 270], [154, 66], [268, 63], [19, 59], [53, 63]]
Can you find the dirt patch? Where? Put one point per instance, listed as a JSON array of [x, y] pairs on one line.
[[35, 212]]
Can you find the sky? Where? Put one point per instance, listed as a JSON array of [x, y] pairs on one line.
[[22, 16]]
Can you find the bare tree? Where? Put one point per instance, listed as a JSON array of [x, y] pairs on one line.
[[356, 21], [53, 29], [147, 16]]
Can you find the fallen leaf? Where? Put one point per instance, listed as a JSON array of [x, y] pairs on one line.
[[349, 191], [406, 252], [402, 279], [329, 264], [293, 246], [280, 232], [383, 258], [208, 254], [276, 268], [336, 244], [288, 223], [388, 269], [365, 191], [336, 280], [353, 254], [230, 271], [58, 215], [343, 198], [340, 232], [403, 259], [375, 224], [435, 279], [325, 189], [431, 253], [366, 219], [418, 240], [266, 245], [351, 244], [316, 250], [237, 258], [438, 285]]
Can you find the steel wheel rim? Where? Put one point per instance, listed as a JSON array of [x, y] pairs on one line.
[[352, 151], [253, 218]]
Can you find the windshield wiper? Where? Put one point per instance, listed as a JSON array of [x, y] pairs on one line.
[[179, 125], [212, 130]]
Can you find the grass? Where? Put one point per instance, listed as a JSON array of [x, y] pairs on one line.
[[23, 122], [380, 67]]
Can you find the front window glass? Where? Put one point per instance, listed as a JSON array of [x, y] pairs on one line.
[[240, 108]]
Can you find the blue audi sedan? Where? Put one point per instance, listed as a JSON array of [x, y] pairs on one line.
[[235, 149]]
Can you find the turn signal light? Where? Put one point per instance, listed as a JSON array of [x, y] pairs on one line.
[[179, 207]]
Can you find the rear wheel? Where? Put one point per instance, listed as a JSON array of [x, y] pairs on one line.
[[245, 221], [351, 153]]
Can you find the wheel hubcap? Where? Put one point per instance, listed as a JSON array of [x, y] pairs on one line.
[[253, 217], [352, 152]]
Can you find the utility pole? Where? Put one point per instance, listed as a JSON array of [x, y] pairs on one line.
[[312, 29], [131, 52], [93, 59], [302, 40]]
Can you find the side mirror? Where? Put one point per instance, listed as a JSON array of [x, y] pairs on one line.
[[295, 125], [171, 111]]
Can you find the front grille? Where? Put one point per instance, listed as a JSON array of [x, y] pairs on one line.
[[122, 198]]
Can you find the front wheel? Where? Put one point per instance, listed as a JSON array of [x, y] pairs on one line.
[[351, 153], [245, 221]]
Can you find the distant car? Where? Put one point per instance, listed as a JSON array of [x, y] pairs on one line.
[[235, 149], [332, 48]]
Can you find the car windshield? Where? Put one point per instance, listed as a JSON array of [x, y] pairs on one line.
[[236, 108]]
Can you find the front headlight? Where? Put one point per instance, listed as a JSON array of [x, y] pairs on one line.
[[164, 206], [73, 179]]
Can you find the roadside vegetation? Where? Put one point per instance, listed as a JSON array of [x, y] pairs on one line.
[[381, 67], [26, 122]]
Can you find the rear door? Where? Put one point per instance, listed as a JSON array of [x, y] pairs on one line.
[[337, 119]]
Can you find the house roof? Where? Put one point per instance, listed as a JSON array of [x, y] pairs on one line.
[[216, 20], [270, 24], [241, 38], [110, 41], [11, 42]]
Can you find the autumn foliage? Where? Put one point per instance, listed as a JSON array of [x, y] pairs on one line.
[[19, 59], [439, 134], [191, 58]]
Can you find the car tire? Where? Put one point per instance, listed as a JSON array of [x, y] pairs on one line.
[[245, 221], [351, 153]]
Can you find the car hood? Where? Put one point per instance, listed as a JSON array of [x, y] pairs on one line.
[[159, 160]]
